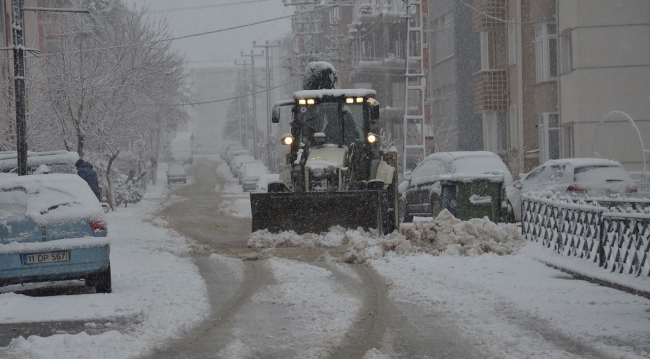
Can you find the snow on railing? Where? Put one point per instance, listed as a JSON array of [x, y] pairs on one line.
[[613, 232]]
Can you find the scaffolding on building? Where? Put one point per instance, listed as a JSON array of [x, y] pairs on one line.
[[415, 126]]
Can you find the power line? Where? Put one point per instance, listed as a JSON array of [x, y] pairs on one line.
[[205, 6], [220, 100], [186, 36]]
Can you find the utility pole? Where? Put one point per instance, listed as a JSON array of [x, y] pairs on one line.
[[19, 85], [268, 103], [239, 102], [17, 24], [253, 91], [243, 104]]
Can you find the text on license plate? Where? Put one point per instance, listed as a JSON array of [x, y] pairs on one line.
[[45, 257]]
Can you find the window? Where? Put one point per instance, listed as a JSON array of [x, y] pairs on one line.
[[567, 56], [549, 137], [546, 52], [494, 131], [567, 139], [335, 15], [443, 37], [513, 125], [485, 50], [512, 44]]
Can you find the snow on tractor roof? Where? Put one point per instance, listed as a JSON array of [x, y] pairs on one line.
[[333, 93]]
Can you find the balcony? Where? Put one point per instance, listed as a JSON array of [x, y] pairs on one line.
[[490, 90], [489, 14]]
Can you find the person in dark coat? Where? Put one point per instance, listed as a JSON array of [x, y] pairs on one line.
[[85, 170]]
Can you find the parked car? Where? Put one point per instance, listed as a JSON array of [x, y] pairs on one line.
[[237, 161], [235, 152], [250, 174], [421, 195], [52, 228], [56, 161], [577, 176], [225, 146], [264, 180], [176, 173]]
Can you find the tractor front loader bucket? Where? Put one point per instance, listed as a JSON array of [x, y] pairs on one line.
[[315, 212]]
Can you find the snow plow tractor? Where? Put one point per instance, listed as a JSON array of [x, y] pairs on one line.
[[336, 172]]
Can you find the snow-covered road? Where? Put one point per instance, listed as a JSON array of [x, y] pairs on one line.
[[305, 301]]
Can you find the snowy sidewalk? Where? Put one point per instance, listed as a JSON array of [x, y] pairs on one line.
[[156, 288]]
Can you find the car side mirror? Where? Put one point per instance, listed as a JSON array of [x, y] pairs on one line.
[[374, 110], [517, 184], [275, 114]]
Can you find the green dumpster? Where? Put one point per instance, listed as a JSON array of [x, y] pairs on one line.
[[475, 196]]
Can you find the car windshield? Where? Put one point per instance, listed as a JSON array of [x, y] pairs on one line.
[[324, 118], [176, 169]]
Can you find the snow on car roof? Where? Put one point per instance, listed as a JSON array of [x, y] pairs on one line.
[[460, 154], [53, 197], [334, 93], [584, 162], [8, 160]]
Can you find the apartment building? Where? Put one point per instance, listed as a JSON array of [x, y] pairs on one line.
[[527, 131], [604, 66], [378, 58], [455, 56]]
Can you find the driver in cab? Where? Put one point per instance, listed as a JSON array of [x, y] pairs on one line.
[[332, 127]]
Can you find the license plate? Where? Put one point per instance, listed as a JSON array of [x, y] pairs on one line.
[[45, 258]]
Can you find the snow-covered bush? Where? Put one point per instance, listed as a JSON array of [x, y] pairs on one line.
[[127, 191]]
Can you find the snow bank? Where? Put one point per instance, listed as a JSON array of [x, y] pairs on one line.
[[446, 235]]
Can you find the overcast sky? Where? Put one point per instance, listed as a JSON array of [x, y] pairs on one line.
[[220, 48]]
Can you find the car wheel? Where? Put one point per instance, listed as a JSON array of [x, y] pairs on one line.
[[101, 281]]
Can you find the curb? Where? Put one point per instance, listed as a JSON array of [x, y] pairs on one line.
[[601, 282]]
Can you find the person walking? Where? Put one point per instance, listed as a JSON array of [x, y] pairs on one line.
[[85, 170]]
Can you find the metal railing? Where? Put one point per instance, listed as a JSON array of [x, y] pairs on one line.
[[611, 232]]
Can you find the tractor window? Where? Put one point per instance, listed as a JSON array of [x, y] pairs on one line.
[[324, 118]]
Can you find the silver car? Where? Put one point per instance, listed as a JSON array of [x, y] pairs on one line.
[[576, 176]]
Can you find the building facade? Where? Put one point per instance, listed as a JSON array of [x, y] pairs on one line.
[[604, 64]]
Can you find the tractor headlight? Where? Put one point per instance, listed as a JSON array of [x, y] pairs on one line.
[[302, 102], [372, 138], [287, 140], [311, 101], [359, 99], [349, 100]]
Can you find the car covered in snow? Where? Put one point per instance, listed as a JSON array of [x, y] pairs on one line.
[[61, 161], [176, 173], [52, 228], [235, 151], [237, 161], [250, 174], [573, 176], [263, 183], [421, 191]]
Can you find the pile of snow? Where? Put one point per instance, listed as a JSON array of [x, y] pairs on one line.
[[446, 235], [451, 236]]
